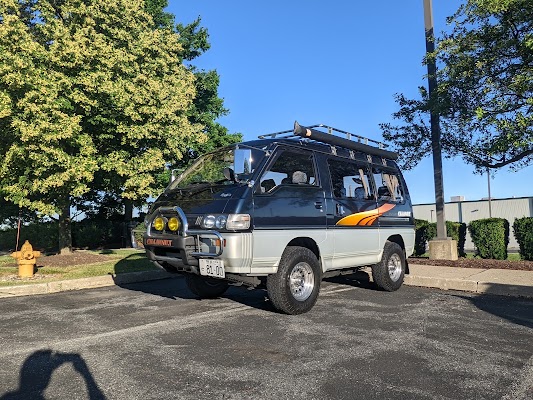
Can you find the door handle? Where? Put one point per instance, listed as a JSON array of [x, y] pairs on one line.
[[318, 205]]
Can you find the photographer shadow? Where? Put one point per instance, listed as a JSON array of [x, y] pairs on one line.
[[36, 373]]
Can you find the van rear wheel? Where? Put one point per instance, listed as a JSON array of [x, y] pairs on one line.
[[388, 274], [294, 288], [204, 287]]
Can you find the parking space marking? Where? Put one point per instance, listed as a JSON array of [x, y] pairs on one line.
[[168, 325], [336, 289]]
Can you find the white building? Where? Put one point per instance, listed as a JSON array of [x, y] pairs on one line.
[[461, 210]]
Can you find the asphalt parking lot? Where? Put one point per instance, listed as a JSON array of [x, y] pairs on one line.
[[154, 340]]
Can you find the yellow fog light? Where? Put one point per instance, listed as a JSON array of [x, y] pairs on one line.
[[173, 224], [159, 224]]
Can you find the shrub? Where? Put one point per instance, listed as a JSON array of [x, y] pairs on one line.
[[421, 236], [491, 237], [43, 236], [523, 232], [93, 234], [428, 231], [457, 231], [138, 232]]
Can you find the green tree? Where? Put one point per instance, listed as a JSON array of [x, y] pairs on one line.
[[205, 109], [88, 88], [485, 90], [207, 106]]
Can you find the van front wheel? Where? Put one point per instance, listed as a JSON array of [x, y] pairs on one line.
[[294, 288], [388, 274]]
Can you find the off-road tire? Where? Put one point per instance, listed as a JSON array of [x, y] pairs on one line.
[[388, 274], [205, 287], [300, 266]]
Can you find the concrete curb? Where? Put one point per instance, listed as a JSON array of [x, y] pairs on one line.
[[482, 281], [82, 283]]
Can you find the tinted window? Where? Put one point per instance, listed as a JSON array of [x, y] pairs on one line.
[[388, 185], [290, 168], [350, 180]]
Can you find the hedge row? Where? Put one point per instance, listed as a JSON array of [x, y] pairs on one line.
[[523, 232], [426, 231], [89, 234], [490, 236]]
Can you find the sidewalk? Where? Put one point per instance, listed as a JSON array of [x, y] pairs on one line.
[[487, 281], [503, 282]]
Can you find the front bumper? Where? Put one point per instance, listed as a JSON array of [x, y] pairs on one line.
[[180, 249], [183, 249]]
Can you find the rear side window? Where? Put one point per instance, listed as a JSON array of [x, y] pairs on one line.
[[289, 168], [388, 185], [350, 180]]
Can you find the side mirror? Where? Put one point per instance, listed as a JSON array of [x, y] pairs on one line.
[[242, 162]]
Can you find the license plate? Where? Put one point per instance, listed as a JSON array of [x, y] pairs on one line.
[[211, 267]]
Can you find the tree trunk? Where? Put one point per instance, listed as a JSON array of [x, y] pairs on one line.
[[128, 217], [65, 232]]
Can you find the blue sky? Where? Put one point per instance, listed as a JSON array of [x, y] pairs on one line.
[[333, 62]]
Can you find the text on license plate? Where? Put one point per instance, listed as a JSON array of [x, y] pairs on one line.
[[211, 267]]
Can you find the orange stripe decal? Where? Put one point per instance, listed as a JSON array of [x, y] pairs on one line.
[[366, 217]]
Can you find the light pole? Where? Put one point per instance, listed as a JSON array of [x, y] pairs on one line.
[[434, 119], [442, 247], [488, 186]]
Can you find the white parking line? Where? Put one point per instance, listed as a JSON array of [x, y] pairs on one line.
[[169, 325], [336, 289]]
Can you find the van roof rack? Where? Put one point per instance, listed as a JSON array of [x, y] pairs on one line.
[[352, 141], [350, 136]]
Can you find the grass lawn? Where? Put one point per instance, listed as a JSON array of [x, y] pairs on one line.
[[114, 262]]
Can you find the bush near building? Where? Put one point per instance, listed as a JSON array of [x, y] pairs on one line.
[[491, 237], [421, 239], [523, 232], [426, 231]]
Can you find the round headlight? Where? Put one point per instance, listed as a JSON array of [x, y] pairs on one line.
[[159, 224], [220, 222], [173, 224], [209, 221]]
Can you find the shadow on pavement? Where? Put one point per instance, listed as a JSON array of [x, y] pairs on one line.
[[360, 279], [515, 310], [175, 288], [36, 373]]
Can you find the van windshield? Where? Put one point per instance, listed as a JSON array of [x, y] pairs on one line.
[[209, 168]]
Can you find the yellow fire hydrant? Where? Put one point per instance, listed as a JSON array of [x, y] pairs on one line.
[[26, 259]]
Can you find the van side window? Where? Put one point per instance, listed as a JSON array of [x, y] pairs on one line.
[[290, 168], [388, 185], [350, 180]]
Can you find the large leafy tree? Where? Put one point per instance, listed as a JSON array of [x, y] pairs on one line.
[[205, 109], [84, 86], [485, 90]]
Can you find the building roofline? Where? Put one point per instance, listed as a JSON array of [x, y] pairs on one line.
[[477, 201]]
